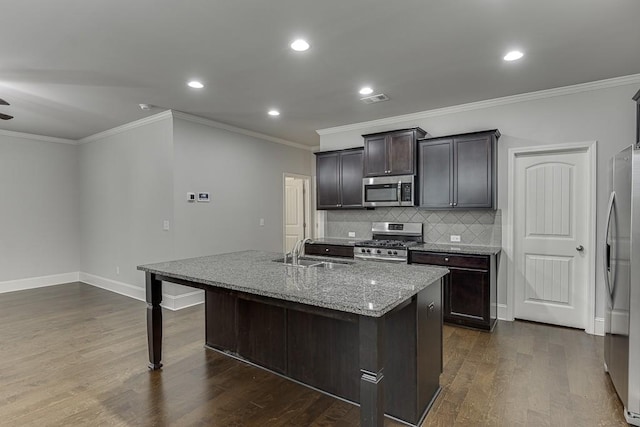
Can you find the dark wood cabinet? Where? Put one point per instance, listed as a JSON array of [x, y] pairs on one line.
[[339, 179], [458, 171], [322, 347], [391, 153], [328, 250], [637, 99], [470, 289]]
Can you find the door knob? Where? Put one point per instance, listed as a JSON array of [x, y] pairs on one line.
[[580, 248]]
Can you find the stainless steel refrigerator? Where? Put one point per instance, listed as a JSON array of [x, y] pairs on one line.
[[622, 278]]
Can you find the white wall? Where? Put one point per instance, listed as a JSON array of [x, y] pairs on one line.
[[244, 176], [135, 178], [39, 232], [606, 115], [126, 192]]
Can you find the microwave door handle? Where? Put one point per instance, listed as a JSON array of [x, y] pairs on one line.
[[399, 192], [607, 247]]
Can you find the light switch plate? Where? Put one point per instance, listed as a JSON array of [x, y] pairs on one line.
[[203, 196], [455, 238], [261, 222], [352, 234]]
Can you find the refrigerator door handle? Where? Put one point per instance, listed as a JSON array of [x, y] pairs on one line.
[[607, 247]]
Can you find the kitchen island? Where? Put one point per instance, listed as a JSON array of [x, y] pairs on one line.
[[367, 332]]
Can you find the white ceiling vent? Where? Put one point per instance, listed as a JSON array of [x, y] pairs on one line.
[[374, 98]]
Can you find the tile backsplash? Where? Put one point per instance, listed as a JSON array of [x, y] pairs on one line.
[[475, 227]]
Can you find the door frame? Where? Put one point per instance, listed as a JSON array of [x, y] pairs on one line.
[[306, 202], [590, 147]]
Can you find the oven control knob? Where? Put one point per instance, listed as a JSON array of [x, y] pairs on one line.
[[369, 250], [389, 252], [395, 252], [379, 251], [363, 250]]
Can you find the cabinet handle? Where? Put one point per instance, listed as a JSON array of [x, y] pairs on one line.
[[326, 250], [451, 204], [455, 204], [431, 306], [446, 260]]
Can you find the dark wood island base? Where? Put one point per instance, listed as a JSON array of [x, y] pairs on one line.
[[390, 365]]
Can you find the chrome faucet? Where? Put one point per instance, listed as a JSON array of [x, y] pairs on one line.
[[298, 250]]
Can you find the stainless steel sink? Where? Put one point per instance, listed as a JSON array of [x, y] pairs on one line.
[[311, 262]]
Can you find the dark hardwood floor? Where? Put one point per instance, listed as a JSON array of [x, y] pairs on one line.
[[77, 355]]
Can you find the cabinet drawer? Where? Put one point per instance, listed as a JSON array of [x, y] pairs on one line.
[[329, 250], [450, 260]]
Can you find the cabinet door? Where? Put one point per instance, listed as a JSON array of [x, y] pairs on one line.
[[401, 148], [328, 180], [435, 164], [351, 174], [466, 296], [375, 156], [473, 164]]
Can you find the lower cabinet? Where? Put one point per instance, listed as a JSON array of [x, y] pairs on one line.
[[470, 289], [320, 347]]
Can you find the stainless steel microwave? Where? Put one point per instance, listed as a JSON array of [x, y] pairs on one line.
[[388, 191]]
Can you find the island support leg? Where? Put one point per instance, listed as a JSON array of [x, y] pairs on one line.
[[154, 320], [371, 371]]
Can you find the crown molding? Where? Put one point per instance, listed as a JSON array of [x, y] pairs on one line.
[[530, 96], [35, 137], [119, 129], [218, 125]]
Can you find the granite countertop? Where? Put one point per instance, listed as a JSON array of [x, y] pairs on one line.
[[337, 241], [364, 287], [453, 248]]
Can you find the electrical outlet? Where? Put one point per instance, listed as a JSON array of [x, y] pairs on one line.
[[117, 270], [191, 197], [261, 222], [455, 238], [165, 225], [352, 234]]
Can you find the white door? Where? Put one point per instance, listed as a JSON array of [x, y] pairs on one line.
[[294, 212], [551, 214]]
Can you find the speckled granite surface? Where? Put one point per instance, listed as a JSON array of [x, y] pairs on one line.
[[337, 241], [453, 248], [365, 287]]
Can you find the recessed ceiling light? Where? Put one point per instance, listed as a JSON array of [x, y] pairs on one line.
[[366, 91], [274, 113], [299, 45], [195, 84], [513, 55]]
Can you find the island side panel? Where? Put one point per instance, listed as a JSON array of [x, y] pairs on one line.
[[372, 359], [429, 349], [154, 320], [323, 352], [221, 329]]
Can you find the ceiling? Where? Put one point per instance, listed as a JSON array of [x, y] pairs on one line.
[[73, 68]]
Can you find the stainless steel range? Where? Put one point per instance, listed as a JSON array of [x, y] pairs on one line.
[[391, 241]]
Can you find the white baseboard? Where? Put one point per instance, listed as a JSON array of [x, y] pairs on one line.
[[502, 312], [178, 302], [599, 326], [38, 282], [170, 302], [121, 288]]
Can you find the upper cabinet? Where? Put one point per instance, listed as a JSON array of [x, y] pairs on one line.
[[391, 153], [339, 179], [637, 99], [458, 171]]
